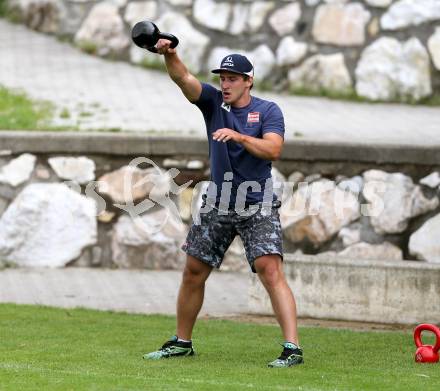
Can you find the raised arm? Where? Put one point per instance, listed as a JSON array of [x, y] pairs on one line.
[[188, 83]]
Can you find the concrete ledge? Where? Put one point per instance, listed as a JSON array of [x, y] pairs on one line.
[[135, 291], [107, 143], [401, 292], [140, 144]]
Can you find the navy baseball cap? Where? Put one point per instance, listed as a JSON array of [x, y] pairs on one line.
[[236, 63]]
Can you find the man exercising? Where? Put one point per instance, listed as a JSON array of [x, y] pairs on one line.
[[245, 134]]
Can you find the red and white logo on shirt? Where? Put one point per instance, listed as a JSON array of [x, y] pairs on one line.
[[253, 117]]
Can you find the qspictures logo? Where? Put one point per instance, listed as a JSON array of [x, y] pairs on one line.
[[299, 199]]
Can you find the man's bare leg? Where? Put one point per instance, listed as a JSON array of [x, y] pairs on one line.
[[191, 293], [270, 272]]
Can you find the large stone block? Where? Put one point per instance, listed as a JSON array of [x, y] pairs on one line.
[[257, 14], [321, 72], [350, 235], [180, 2], [432, 180], [318, 211], [379, 3], [354, 184], [79, 169], [118, 3], [131, 183], [394, 199], [284, 19], [104, 28], [240, 17], [46, 16], [151, 241], [424, 244], [47, 225], [140, 10], [18, 170], [249, 18], [360, 231], [211, 14], [405, 13], [264, 61], [390, 70], [290, 52], [341, 25]]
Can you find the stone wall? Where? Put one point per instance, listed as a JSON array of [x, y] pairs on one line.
[[60, 206], [381, 49], [367, 291]]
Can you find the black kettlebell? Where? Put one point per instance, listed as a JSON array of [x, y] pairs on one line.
[[145, 34]]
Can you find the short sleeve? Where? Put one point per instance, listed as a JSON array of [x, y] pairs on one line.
[[273, 120], [207, 97]]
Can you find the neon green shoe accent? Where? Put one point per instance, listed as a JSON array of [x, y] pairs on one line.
[[173, 351], [171, 348], [291, 355]]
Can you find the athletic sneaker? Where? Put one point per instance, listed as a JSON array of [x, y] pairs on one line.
[[171, 348], [291, 355]]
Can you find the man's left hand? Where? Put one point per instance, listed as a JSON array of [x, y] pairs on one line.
[[226, 134]]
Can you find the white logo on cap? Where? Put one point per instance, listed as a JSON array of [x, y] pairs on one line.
[[228, 62]]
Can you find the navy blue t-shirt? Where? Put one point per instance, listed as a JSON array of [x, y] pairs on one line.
[[257, 118]]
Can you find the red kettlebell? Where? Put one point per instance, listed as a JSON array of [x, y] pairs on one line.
[[426, 353]]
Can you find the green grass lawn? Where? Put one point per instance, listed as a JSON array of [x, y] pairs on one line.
[[56, 349], [17, 111]]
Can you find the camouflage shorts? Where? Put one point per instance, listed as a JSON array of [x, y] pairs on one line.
[[260, 233]]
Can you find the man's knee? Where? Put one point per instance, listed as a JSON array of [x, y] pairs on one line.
[[269, 269], [195, 271]]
